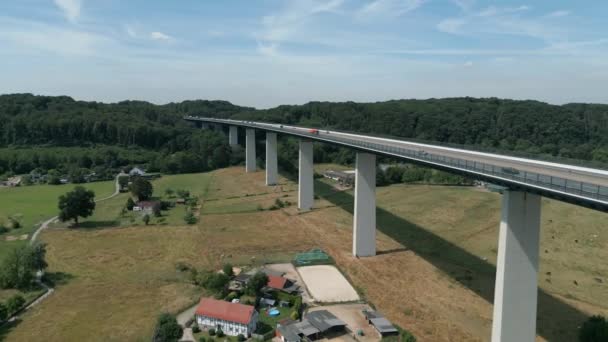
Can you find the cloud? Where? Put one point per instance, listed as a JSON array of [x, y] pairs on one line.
[[468, 64], [560, 13], [464, 5], [451, 25], [389, 7], [25, 37], [269, 50], [71, 8], [290, 21], [130, 31], [156, 35]]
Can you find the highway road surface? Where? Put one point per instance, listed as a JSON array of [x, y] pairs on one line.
[[575, 184]]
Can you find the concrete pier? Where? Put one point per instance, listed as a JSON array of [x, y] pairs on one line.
[[204, 125], [516, 290], [272, 169], [305, 177], [233, 136], [250, 162], [364, 220]]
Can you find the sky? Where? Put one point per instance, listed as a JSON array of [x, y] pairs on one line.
[[264, 53]]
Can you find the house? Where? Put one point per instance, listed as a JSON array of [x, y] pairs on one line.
[[148, 207], [267, 302], [345, 178], [13, 181], [233, 318], [136, 172], [281, 284], [382, 325], [315, 325]]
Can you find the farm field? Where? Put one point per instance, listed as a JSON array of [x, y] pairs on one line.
[[35, 204], [434, 274]]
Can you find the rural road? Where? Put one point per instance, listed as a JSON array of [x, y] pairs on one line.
[[46, 223], [43, 226], [182, 318]]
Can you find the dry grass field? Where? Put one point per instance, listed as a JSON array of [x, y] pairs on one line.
[[434, 274]]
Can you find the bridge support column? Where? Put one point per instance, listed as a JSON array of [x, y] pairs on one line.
[[516, 291], [305, 177], [364, 220], [272, 173], [204, 125], [250, 162], [233, 136]]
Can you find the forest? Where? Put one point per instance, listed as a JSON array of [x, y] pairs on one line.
[[60, 133]]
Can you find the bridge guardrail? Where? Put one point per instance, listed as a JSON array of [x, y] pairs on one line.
[[568, 186]]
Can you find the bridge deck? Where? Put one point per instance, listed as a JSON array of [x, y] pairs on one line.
[[574, 184]]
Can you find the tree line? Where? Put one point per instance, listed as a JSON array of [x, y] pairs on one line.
[[578, 131], [59, 133]]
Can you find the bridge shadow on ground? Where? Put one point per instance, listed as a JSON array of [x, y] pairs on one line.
[[7, 327], [556, 319]]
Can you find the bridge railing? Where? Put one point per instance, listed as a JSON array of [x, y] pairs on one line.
[[557, 183], [568, 186]]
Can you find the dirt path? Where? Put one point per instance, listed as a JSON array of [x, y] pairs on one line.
[[46, 223], [43, 226]]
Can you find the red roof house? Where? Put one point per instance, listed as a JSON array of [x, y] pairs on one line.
[[226, 311], [276, 282]]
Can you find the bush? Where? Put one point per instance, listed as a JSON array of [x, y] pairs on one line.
[[189, 218], [3, 312], [240, 338], [196, 329], [220, 333], [595, 329], [211, 332], [182, 266], [15, 303], [231, 296], [295, 315], [130, 203], [167, 329], [202, 339], [227, 269]]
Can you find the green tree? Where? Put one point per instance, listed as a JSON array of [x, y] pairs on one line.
[[79, 202], [146, 219], [130, 203], [38, 256], [3, 312], [217, 282], [189, 218], [142, 189], [227, 268], [257, 283], [18, 267], [169, 192], [167, 329], [595, 329], [123, 182], [14, 303]]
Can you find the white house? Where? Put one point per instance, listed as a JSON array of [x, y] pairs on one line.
[[137, 172], [232, 318]]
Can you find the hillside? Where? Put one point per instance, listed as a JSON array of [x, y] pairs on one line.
[[79, 134]]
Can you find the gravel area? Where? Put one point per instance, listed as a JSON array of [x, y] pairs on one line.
[[327, 284]]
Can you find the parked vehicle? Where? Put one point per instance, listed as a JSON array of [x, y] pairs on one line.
[[313, 131]]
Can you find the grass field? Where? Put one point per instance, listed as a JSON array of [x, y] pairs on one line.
[[35, 204], [434, 273]]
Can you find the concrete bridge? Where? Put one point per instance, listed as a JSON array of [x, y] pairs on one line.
[[525, 181]]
